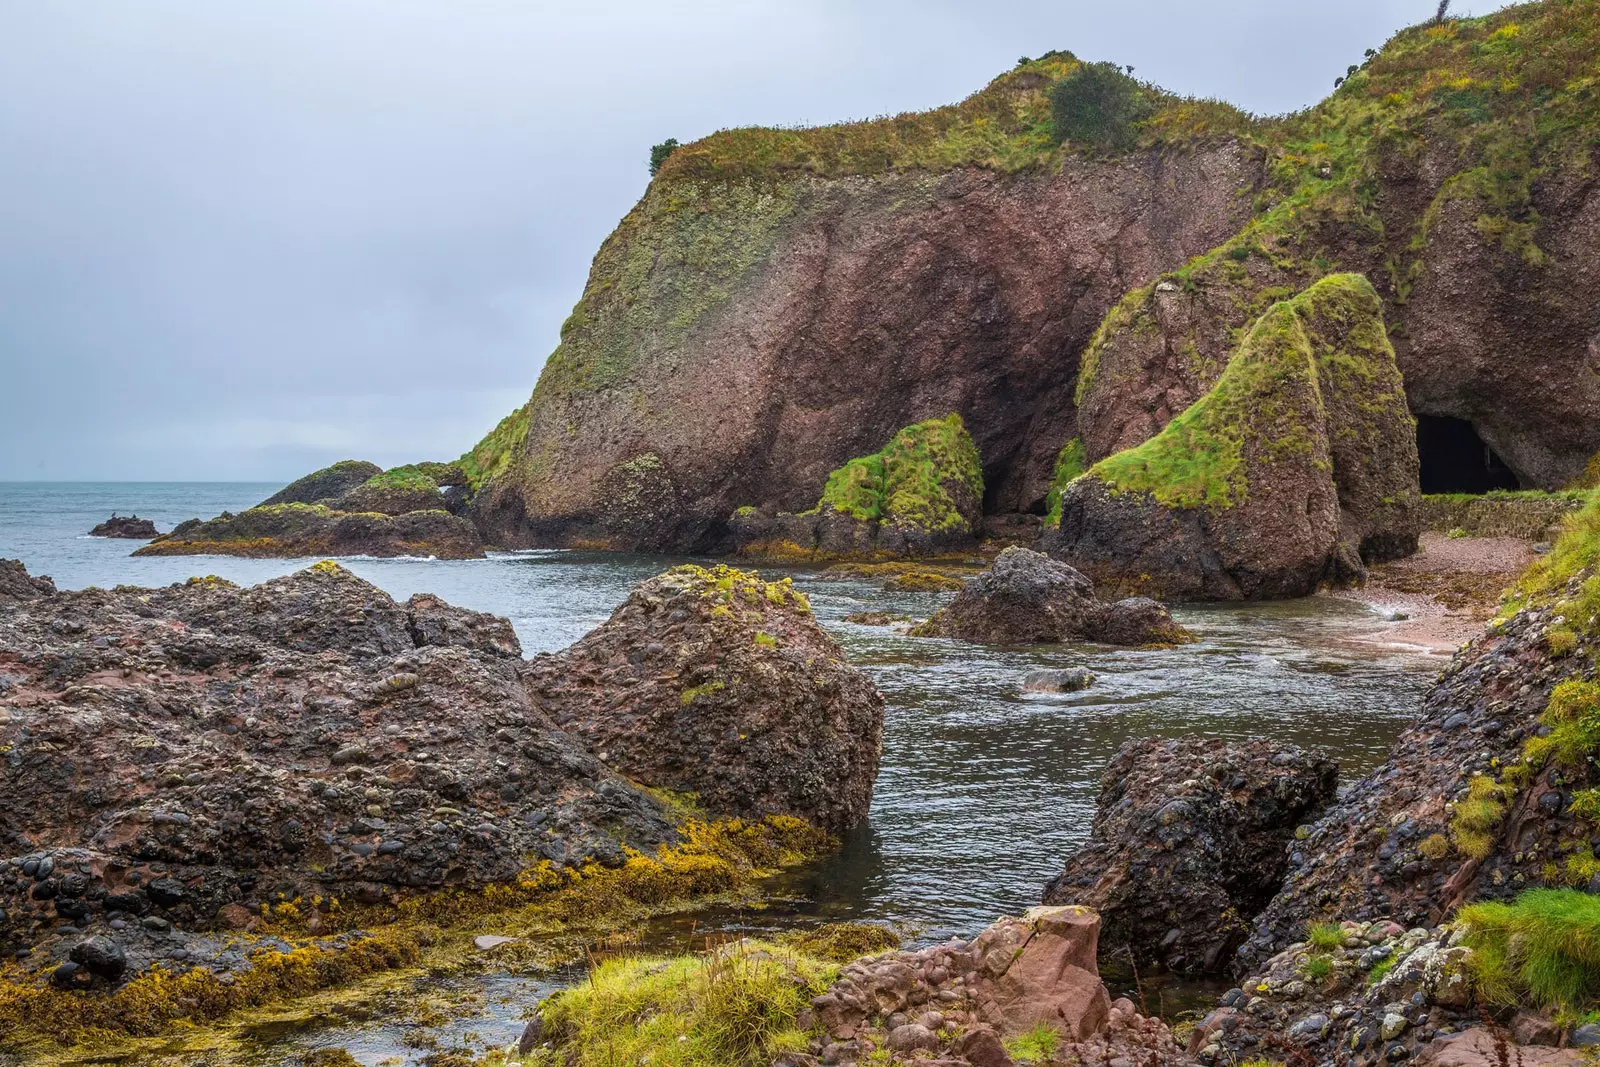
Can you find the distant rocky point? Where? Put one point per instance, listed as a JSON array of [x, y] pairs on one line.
[[129, 526], [352, 508]]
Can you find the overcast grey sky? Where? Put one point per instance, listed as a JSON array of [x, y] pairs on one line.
[[241, 240]]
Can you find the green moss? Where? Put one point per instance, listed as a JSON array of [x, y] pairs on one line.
[[1071, 461], [1267, 401], [693, 693], [491, 456], [1325, 937], [1381, 969], [917, 480], [1545, 946], [737, 1005], [1478, 815]]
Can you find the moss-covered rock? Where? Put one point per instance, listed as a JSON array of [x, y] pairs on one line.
[[922, 494], [327, 484], [1297, 465], [396, 491]]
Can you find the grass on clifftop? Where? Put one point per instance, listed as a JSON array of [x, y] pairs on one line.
[[1266, 404], [911, 481]]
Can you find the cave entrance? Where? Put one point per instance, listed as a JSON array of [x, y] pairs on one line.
[[1455, 459]]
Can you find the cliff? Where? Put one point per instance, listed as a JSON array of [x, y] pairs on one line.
[[783, 300]]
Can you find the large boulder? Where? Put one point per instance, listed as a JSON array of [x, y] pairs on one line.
[[172, 752], [326, 485], [1027, 598], [302, 530], [1189, 843], [721, 685], [1297, 467], [922, 494]]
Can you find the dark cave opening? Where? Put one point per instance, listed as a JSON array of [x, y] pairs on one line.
[[1456, 460]]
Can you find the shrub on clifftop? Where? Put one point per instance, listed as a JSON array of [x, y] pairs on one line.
[[1099, 105]]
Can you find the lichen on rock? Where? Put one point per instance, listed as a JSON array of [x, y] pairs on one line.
[[1295, 468]]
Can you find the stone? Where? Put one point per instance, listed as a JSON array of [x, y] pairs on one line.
[[912, 1036], [1476, 1047], [1189, 842], [982, 1048], [716, 683], [101, 956], [1070, 680], [1027, 598], [1394, 1024], [532, 1034], [486, 942]]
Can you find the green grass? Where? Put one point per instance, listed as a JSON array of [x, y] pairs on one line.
[[1037, 1046], [491, 456], [1071, 462], [1545, 946], [1477, 816], [414, 476], [735, 1006], [912, 479], [1317, 969], [1573, 718], [1325, 937], [1381, 969]]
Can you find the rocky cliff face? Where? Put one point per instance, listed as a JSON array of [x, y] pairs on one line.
[[743, 333], [780, 301]]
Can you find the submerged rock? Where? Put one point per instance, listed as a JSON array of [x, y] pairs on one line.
[[1069, 680], [301, 530], [717, 684], [129, 526], [1297, 467], [1028, 598], [921, 495], [1189, 843]]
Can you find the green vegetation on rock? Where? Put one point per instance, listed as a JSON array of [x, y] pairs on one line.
[[1544, 946], [329, 482], [737, 1005], [1071, 461], [916, 480], [492, 455], [1100, 106], [1524, 513], [1268, 401]]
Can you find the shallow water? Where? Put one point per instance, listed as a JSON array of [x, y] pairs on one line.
[[982, 790]]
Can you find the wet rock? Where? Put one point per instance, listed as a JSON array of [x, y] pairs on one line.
[[1189, 843], [129, 526], [101, 956], [1027, 598], [721, 685], [199, 749], [1068, 680]]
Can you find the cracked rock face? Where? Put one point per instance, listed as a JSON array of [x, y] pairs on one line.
[[166, 753], [1189, 844]]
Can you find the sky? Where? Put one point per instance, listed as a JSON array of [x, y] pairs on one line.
[[239, 241]]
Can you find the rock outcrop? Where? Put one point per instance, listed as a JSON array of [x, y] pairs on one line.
[[921, 495], [129, 526], [16, 584], [326, 485], [958, 1003], [304, 530], [177, 757], [717, 684], [1189, 844], [1297, 466], [1027, 598], [1475, 801]]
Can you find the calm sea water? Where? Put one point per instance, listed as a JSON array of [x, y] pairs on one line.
[[982, 791]]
